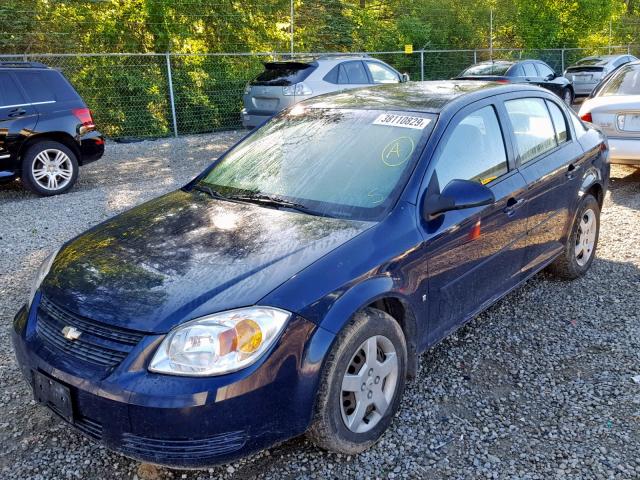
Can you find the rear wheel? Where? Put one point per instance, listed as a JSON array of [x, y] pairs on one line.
[[581, 244], [567, 96], [49, 168], [361, 385]]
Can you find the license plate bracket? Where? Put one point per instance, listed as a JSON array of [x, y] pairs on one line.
[[53, 394]]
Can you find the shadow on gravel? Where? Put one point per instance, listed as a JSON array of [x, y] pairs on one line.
[[624, 180]]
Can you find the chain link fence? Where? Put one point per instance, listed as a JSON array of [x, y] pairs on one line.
[[160, 95]]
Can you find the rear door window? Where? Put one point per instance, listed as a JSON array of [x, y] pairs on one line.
[[46, 86], [382, 74], [474, 151], [352, 73], [532, 127], [284, 73], [529, 70], [10, 93]]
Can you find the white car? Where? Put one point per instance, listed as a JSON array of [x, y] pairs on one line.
[[614, 106]]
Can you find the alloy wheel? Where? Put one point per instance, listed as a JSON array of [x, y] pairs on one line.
[[369, 384], [586, 237], [567, 97], [52, 169]]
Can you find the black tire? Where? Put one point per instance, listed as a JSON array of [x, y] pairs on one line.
[[328, 429], [29, 158], [567, 94], [567, 265]]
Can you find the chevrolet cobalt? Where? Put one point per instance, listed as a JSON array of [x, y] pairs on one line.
[[291, 287]]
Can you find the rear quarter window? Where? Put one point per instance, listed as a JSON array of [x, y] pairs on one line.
[[10, 93], [46, 86]]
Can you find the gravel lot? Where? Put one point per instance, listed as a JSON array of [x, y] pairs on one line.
[[540, 386]]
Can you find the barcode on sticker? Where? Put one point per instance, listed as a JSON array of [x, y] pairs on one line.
[[405, 121]]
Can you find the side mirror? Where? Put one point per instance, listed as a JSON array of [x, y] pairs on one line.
[[457, 195], [404, 78], [551, 76]]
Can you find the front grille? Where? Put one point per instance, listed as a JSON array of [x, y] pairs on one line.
[[167, 451], [89, 427], [98, 343]]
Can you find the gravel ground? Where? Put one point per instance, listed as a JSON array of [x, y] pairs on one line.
[[540, 386]]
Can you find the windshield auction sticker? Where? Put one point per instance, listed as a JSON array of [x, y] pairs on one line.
[[405, 121]]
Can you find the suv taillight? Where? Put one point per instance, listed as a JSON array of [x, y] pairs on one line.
[[85, 118]]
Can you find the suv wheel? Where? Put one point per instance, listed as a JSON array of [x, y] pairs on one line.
[[361, 384], [49, 168]]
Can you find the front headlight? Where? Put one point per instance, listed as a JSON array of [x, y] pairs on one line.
[[42, 272], [220, 343]]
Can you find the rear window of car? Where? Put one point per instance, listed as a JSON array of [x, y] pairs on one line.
[[625, 81], [486, 69], [46, 86], [591, 61], [284, 73], [10, 93]]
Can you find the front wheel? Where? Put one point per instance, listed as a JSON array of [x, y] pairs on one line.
[[49, 168], [361, 385], [580, 248], [567, 96]]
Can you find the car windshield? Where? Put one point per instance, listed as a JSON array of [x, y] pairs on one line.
[[624, 82], [486, 69], [341, 163]]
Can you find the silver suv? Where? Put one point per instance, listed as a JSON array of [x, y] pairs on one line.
[[285, 83], [587, 73]]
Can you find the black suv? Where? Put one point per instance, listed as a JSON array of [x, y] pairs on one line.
[[46, 129]]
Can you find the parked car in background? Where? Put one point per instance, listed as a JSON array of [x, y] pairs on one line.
[[614, 106], [534, 72], [292, 285], [285, 83], [586, 73], [46, 130]]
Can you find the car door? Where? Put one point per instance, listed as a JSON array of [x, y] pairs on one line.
[[474, 255], [546, 77], [18, 118], [550, 162]]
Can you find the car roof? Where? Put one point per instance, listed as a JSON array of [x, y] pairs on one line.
[[23, 65], [428, 97], [328, 58]]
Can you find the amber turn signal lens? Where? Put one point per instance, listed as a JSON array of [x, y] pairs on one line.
[[249, 336]]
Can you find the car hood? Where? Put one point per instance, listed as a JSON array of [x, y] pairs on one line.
[[184, 255]]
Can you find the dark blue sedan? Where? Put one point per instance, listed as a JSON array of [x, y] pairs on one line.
[[291, 287]]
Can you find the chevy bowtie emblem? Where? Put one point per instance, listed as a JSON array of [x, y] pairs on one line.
[[71, 333]]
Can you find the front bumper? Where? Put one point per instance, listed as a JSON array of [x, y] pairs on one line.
[[624, 151], [185, 422]]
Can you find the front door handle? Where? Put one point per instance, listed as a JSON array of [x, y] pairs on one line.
[[571, 171], [17, 112], [513, 205]]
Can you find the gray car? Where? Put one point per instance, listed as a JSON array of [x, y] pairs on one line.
[[286, 83], [586, 73], [614, 106]]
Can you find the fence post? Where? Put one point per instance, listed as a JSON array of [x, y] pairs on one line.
[[475, 56], [562, 60], [171, 100], [422, 65]]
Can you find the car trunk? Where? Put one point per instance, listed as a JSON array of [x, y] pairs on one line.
[[585, 74], [266, 91], [618, 116]]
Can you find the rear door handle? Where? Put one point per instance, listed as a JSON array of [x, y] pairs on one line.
[[513, 205]]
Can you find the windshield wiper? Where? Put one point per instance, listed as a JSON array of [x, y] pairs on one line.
[[207, 189], [272, 201]]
